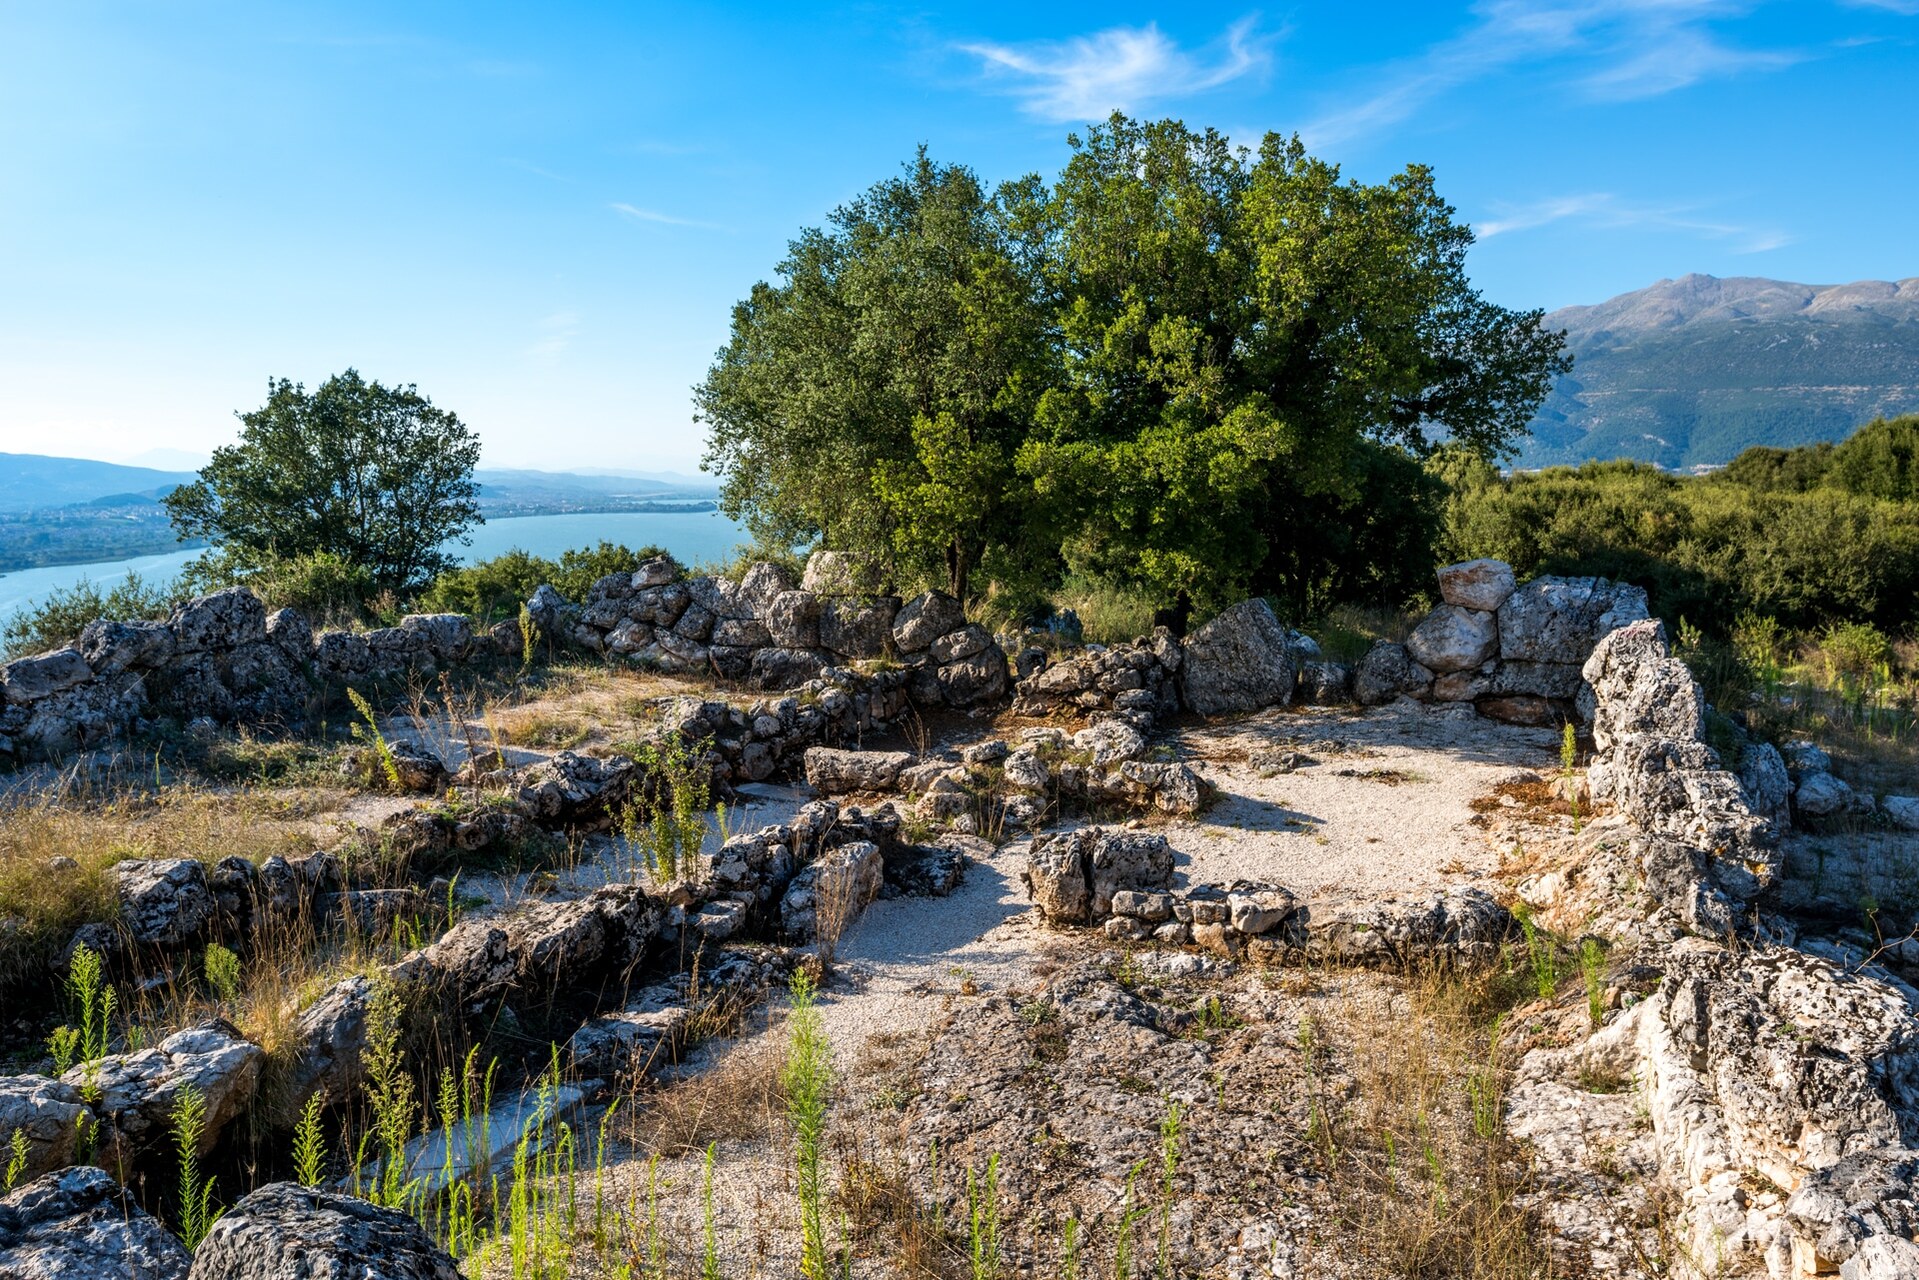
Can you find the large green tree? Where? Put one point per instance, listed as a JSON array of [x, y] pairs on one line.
[[373, 475], [1165, 370], [1238, 334], [875, 398]]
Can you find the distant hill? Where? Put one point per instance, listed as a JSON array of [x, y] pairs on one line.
[[1691, 371], [29, 481]]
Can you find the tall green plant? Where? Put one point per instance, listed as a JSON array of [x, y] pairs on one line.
[[16, 1156], [389, 767], [807, 1078], [982, 1204], [309, 1144], [197, 1211], [1168, 1186], [390, 1094]]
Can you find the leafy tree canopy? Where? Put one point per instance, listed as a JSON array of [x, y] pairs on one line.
[[1162, 370], [374, 476]]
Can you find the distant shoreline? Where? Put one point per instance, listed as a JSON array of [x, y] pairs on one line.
[[513, 511]]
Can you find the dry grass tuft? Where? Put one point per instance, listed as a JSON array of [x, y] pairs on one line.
[[47, 901], [1418, 1153], [736, 1099]]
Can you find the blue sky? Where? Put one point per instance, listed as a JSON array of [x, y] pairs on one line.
[[541, 214]]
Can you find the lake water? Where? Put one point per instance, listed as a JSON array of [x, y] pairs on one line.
[[692, 537]]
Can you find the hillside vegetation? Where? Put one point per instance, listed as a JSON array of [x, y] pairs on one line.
[[1692, 371]]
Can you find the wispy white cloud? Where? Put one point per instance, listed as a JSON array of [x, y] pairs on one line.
[[556, 334], [1908, 7], [1604, 209], [1119, 69], [1612, 50], [665, 219]]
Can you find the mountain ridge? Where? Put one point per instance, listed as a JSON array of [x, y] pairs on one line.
[[1691, 371]]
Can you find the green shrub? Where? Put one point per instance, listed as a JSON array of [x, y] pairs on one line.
[[58, 619]]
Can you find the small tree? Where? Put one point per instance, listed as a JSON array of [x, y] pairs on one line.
[[373, 475]]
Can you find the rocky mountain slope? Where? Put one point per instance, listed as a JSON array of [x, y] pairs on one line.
[[1691, 371]]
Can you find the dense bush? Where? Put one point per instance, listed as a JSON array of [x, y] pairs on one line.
[[322, 585], [495, 589], [1706, 550], [59, 618]]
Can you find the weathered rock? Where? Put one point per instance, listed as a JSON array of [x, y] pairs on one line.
[[1482, 585], [79, 1223], [111, 646], [1820, 795], [1762, 776], [761, 584], [1240, 661], [137, 1092], [1108, 742], [963, 643], [344, 656], [163, 901], [924, 619], [785, 668], [834, 771], [831, 892], [793, 620], [223, 620], [1387, 672], [1258, 908], [284, 1231], [1520, 708], [1025, 770], [740, 633], [1459, 922], [1453, 639], [1072, 877], [418, 769], [27, 680], [842, 573], [330, 1042], [858, 628], [1324, 684], [289, 631], [1902, 811], [1554, 619], [447, 636], [574, 790], [974, 681], [656, 572], [46, 1114]]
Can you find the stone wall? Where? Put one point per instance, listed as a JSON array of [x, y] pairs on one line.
[[223, 659], [1512, 651]]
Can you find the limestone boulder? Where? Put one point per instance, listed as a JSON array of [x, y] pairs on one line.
[[836, 771], [656, 572], [858, 627], [28, 680], [831, 891], [1553, 619], [110, 646], [1480, 585], [289, 631], [330, 1042], [47, 1114], [1768, 789], [1073, 876], [138, 1092], [79, 1224], [285, 1231], [569, 789], [1451, 638], [842, 573], [1388, 671], [974, 681], [223, 620], [164, 902], [761, 584], [1821, 795], [447, 636], [924, 619], [1324, 684], [1902, 811], [780, 668], [1242, 660], [793, 620]]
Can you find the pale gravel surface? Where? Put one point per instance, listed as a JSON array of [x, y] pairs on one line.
[[1325, 828]]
